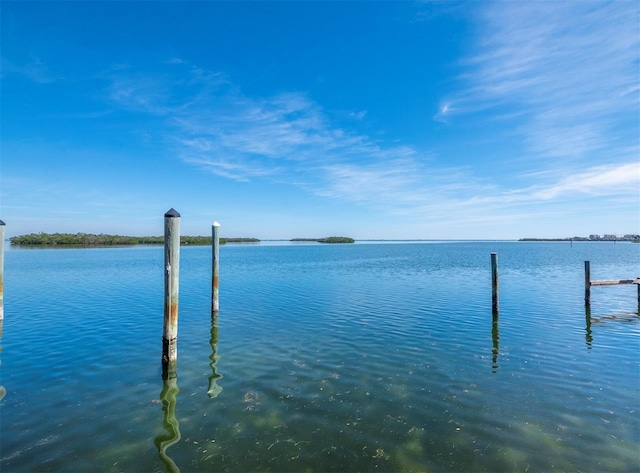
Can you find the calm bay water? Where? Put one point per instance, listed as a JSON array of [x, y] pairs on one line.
[[359, 357]]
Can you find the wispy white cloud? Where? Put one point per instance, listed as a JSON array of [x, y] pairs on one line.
[[287, 137], [618, 179], [35, 70], [571, 67]]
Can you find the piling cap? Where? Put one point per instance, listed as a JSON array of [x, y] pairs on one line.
[[216, 224], [1, 222], [172, 213]]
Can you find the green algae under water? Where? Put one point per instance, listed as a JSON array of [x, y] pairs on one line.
[[323, 358]]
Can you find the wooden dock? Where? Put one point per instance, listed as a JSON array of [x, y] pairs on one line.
[[588, 283]]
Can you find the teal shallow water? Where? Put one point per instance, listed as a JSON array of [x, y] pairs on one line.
[[323, 358]]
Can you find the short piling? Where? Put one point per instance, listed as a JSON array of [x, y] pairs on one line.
[[2, 225], [587, 283], [171, 285], [215, 256], [495, 304]]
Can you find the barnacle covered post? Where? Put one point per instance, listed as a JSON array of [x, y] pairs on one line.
[[171, 285]]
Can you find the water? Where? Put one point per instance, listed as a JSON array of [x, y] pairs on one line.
[[323, 358]]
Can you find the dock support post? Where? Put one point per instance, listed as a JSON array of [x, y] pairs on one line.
[[215, 256], [171, 285], [587, 283], [2, 225], [495, 304]]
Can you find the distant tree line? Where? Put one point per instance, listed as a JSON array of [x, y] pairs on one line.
[[332, 239], [91, 239]]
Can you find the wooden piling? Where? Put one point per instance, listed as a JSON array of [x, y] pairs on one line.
[[2, 225], [495, 304], [215, 256], [171, 285], [587, 283]]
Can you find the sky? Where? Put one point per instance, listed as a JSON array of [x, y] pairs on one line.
[[367, 119]]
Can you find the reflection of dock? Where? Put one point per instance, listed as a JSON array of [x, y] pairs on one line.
[[614, 318], [168, 397]]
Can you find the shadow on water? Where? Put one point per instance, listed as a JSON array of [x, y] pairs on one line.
[[170, 423], [214, 390]]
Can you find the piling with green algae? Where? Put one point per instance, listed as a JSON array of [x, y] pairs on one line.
[[171, 285]]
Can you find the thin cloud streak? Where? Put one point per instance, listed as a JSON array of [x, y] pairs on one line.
[[572, 65], [287, 138]]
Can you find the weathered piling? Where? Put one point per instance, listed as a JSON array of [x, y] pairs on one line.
[[495, 304], [587, 283], [215, 256], [171, 285], [2, 225]]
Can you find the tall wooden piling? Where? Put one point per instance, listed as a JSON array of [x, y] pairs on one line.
[[171, 285], [495, 304], [2, 225], [587, 283], [215, 256]]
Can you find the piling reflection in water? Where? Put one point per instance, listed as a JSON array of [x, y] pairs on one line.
[[170, 423], [590, 320], [588, 338], [3, 391], [495, 337], [214, 390]]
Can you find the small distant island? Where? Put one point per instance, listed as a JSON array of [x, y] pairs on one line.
[[332, 239], [628, 237], [91, 239]]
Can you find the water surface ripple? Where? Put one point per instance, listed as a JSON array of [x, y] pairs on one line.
[[323, 358]]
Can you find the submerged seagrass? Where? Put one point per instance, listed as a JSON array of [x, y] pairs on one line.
[[323, 358]]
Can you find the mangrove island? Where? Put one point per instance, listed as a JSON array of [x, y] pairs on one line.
[[91, 239], [332, 239]]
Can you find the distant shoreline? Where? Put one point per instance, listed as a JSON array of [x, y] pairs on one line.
[[100, 240], [91, 239], [633, 240]]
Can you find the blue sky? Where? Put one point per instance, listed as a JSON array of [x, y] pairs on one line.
[[434, 120]]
